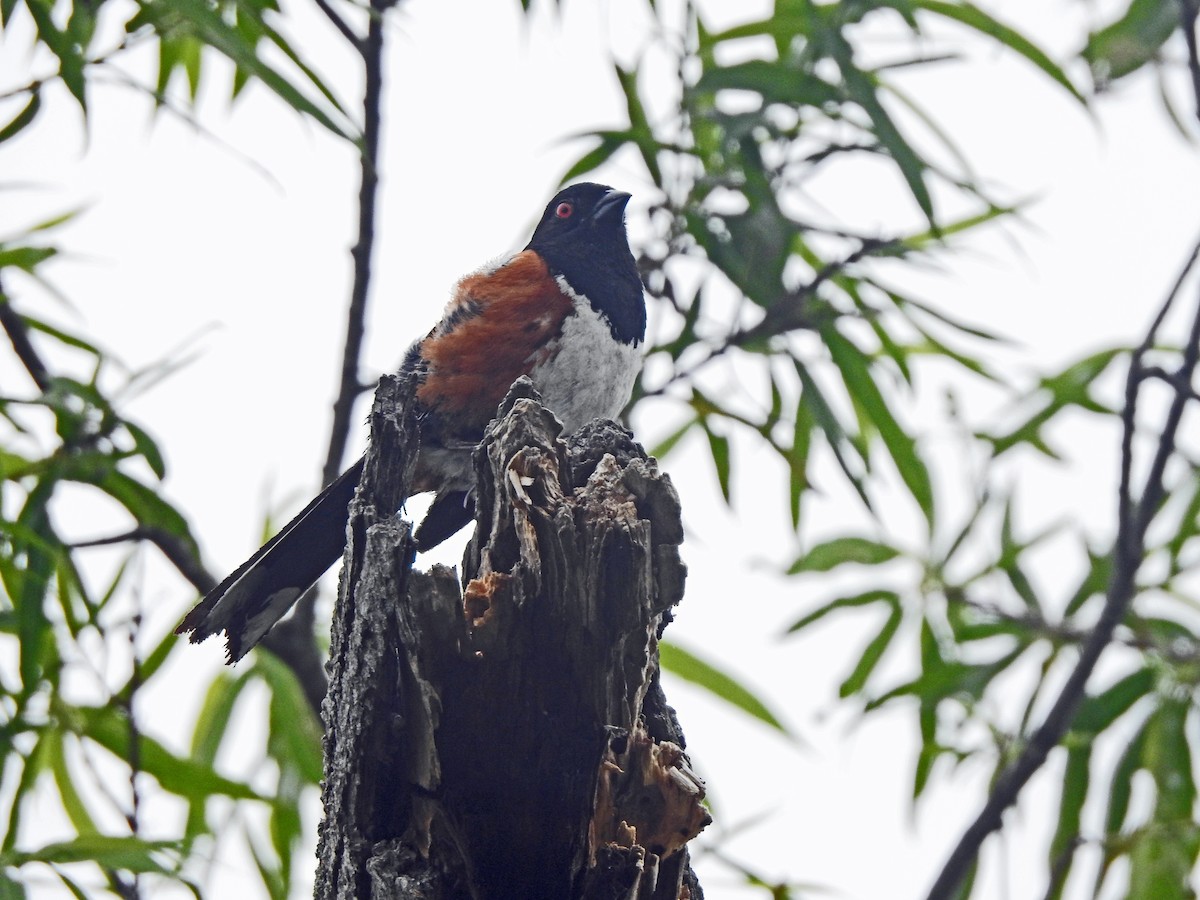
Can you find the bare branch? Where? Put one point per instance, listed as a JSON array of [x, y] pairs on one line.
[[340, 24], [18, 333], [350, 385], [1135, 516]]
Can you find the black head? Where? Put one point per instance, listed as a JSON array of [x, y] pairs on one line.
[[581, 236]]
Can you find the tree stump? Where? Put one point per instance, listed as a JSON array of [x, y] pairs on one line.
[[509, 739]]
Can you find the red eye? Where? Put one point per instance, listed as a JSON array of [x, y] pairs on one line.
[[564, 210]]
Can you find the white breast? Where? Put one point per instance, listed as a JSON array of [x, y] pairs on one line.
[[592, 374]]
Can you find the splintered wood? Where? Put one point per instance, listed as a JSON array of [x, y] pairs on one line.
[[511, 740]]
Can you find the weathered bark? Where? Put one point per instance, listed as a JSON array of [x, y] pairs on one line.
[[509, 740]]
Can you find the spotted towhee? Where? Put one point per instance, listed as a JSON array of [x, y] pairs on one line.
[[567, 311]]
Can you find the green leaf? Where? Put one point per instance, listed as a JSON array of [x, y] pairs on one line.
[[32, 767], [209, 27], [58, 334], [867, 598], [185, 777], [1121, 787], [720, 684], [980, 21], [130, 854], [863, 89], [1132, 41], [69, 54], [667, 444], [1070, 814], [639, 125], [143, 503], [211, 727], [294, 738], [30, 594], [9, 889], [73, 804], [840, 442], [23, 118], [609, 143], [872, 653], [148, 449], [25, 258], [718, 446], [798, 481], [1099, 711], [853, 365], [775, 82], [838, 551]]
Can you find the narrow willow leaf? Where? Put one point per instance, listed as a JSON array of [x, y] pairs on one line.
[[872, 653], [185, 777], [839, 551], [639, 124], [667, 444], [718, 446], [973, 17], [1098, 712], [720, 684], [609, 143], [64, 780], [114, 852], [1132, 41], [835, 433], [775, 82], [27, 114], [867, 598], [11, 890], [294, 738], [798, 481], [147, 448], [855, 371], [1074, 792], [863, 89], [64, 337]]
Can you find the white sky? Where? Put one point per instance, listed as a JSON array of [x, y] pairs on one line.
[[186, 241]]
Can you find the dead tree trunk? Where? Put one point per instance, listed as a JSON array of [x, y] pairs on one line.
[[509, 740]]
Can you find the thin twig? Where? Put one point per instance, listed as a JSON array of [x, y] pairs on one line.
[[340, 24], [18, 333], [178, 552], [349, 387], [1134, 519]]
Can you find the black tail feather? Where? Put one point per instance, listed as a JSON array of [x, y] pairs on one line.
[[263, 588], [449, 512]]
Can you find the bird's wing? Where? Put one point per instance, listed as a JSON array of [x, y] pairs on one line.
[[499, 325]]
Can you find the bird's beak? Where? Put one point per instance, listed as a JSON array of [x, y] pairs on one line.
[[612, 204]]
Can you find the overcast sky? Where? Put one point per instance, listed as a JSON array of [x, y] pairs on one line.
[[234, 244]]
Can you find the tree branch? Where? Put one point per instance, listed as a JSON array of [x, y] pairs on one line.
[[340, 24], [1135, 517], [18, 334], [293, 640], [350, 385]]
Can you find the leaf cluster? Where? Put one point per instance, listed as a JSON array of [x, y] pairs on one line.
[[65, 445]]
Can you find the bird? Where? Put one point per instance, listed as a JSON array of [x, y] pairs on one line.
[[568, 311]]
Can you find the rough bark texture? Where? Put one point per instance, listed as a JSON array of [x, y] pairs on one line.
[[509, 739]]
